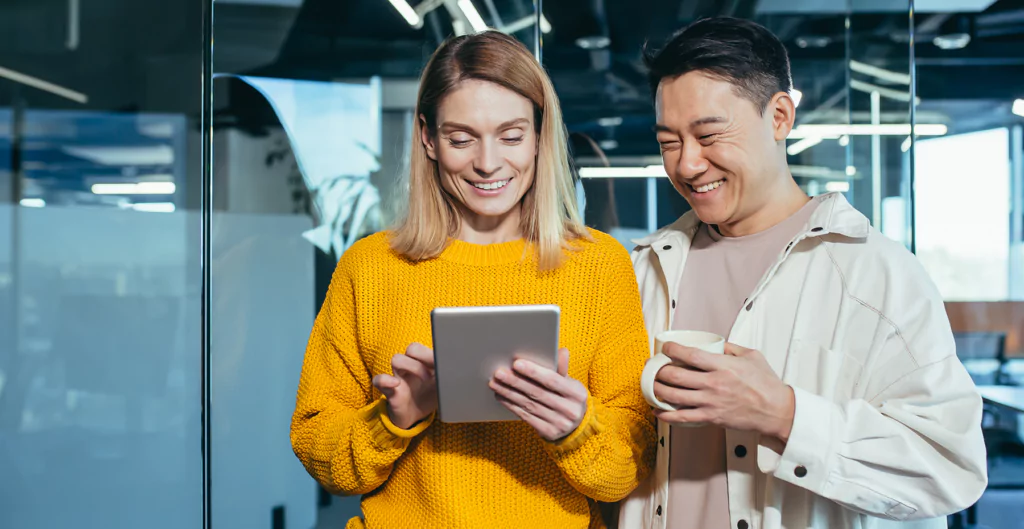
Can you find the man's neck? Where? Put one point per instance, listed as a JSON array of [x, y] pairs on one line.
[[782, 204]]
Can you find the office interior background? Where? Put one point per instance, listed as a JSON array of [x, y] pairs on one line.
[[177, 180]]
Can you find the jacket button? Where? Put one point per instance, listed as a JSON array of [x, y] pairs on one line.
[[742, 525], [662, 441], [800, 471], [659, 511], [673, 303], [750, 305], [817, 229], [667, 247], [740, 451]]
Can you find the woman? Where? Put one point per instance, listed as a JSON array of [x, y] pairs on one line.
[[492, 220]]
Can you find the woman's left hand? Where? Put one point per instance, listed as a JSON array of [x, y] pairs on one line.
[[549, 401]]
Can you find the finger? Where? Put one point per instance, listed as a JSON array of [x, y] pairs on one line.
[[732, 349], [543, 428], [536, 407], [546, 378], [563, 362], [694, 357], [405, 367], [680, 397], [387, 385], [682, 377], [697, 415], [421, 353]]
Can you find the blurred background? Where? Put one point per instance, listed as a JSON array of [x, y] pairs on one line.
[[177, 180]]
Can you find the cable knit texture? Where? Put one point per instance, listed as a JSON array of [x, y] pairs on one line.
[[474, 475]]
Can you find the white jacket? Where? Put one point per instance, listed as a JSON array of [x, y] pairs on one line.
[[887, 432]]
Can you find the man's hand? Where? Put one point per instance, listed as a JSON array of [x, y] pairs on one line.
[[737, 390], [411, 392], [549, 401]]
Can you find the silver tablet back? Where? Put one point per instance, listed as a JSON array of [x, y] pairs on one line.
[[471, 343]]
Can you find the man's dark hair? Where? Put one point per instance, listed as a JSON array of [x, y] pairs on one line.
[[738, 51]]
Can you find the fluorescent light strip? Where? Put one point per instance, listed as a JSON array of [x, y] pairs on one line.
[[882, 91], [1018, 107], [154, 207], [407, 12], [472, 15], [803, 145], [33, 202], [880, 73], [837, 187], [651, 171], [890, 129], [45, 86], [141, 188]]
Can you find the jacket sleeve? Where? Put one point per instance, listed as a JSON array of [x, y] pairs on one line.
[[613, 449], [912, 447], [340, 432]]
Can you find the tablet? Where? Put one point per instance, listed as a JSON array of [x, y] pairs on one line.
[[471, 343]]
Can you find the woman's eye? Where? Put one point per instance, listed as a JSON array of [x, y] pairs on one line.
[[513, 140], [459, 142]]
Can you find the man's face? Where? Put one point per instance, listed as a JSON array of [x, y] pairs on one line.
[[720, 152]]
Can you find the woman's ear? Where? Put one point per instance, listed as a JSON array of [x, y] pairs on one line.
[[427, 137]]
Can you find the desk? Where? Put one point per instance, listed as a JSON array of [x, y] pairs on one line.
[[1008, 396]]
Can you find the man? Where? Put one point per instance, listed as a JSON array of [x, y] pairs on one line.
[[840, 401]]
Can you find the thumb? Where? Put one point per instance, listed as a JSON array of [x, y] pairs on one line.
[[563, 362]]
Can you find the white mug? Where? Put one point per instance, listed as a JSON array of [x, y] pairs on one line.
[[705, 341]]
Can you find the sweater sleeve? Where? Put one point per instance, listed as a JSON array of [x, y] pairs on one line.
[[340, 432], [613, 449]]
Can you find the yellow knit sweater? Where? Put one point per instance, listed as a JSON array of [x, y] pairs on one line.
[[486, 475]]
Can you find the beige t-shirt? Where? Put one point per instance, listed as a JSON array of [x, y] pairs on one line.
[[720, 273]]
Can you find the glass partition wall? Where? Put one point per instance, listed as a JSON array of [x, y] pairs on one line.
[[171, 210]]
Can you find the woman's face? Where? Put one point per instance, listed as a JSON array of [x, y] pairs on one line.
[[485, 147]]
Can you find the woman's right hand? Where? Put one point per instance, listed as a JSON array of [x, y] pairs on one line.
[[411, 392]]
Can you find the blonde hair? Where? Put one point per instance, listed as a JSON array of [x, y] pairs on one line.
[[550, 215]]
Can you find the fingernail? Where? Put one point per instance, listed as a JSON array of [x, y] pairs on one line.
[[520, 365]]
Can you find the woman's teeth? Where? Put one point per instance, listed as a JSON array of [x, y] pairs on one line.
[[708, 187], [490, 186]]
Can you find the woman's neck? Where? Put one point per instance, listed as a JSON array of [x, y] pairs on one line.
[[480, 229]]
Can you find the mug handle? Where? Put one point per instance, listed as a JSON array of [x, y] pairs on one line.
[[654, 365]]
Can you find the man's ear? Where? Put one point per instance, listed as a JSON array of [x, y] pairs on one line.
[[427, 136], [782, 109]]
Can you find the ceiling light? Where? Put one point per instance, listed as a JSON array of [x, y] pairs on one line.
[[593, 42], [545, 26], [813, 42], [154, 207], [608, 144], [407, 12], [472, 15], [851, 170], [803, 145], [797, 96], [45, 86], [141, 188], [651, 171], [1018, 107], [32, 202], [844, 140], [889, 129], [610, 122], [953, 41], [905, 146], [837, 187]]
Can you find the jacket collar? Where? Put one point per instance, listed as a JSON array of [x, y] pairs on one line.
[[834, 215]]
